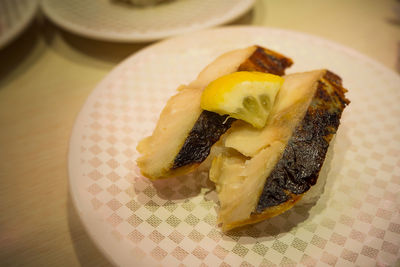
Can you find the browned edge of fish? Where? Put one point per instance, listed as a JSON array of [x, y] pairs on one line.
[[211, 126]]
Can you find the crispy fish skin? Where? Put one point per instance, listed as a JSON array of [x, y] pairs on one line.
[[207, 130], [249, 155], [305, 152], [298, 168], [211, 126], [268, 61], [257, 184]]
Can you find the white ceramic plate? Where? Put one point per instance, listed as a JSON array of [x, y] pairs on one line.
[[15, 16], [355, 222], [113, 21]]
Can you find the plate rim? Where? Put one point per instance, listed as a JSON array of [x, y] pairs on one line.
[[74, 132], [19, 29], [142, 37]]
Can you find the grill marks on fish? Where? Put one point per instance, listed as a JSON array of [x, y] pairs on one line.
[[211, 126], [305, 152]]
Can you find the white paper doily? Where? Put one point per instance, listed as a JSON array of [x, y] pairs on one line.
[[173, 222], [113, 21], [15, 16]]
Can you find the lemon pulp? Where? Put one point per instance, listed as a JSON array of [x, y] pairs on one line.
[[244, 95]]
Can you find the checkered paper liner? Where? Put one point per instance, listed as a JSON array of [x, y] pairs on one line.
[[173, 222]]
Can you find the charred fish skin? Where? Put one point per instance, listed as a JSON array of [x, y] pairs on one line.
[[302, 159], [211, 126], [206, 132], [268, 61]]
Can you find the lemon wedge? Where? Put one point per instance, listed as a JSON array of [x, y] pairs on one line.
[[244, 95]]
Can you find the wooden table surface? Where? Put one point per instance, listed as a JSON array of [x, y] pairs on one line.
[[45, 77]]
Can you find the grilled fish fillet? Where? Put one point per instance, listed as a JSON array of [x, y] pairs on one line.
[[184, 133], [261, 173]]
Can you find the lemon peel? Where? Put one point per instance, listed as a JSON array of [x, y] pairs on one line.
[[244, 95]]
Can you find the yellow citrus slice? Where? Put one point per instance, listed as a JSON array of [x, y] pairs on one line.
[[244, 95]]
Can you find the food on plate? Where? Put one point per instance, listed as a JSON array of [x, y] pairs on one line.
[[265, 135], [185, 133], [260, 173]]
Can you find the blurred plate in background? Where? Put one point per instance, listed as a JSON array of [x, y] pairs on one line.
[[113, 20], [15, 16]]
